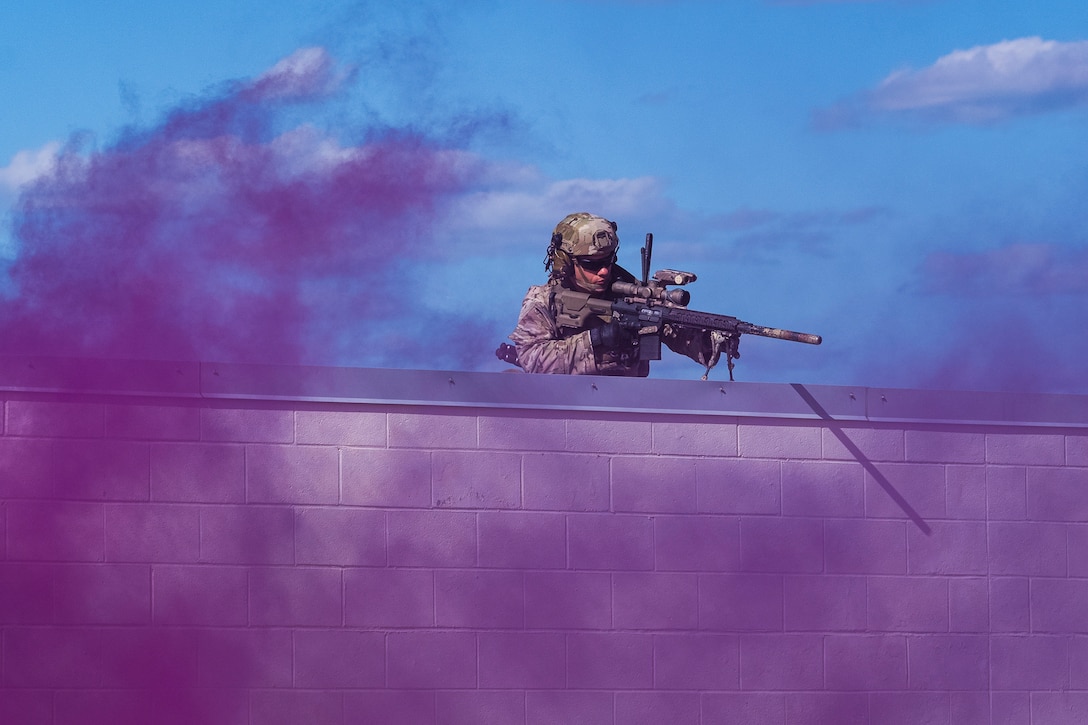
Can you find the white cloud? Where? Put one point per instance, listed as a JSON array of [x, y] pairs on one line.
[[981, 84], [308, 72], [541, 205], [28, 165]]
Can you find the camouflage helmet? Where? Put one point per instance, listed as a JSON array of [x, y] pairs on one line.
[[580, 235]]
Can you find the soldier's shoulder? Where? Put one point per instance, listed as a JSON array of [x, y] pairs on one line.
[[540, 292]]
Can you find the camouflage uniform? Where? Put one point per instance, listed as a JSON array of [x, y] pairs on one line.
[[544, 347]]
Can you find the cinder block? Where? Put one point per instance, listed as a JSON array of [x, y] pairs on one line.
[[1078, 549], [694, 438], [610, 661], [1059, 707], [199, 595], [949, 548], [55, 531], [696, 543], [153, 422], [1037, 662], [781, 545], [378, 477], [966, 492], [115, 594], [476, 480], [655, 600], [198, 472], [908, 604], [823, 489], [945, 446], [617, 542], [432, 430], [340, 427], [897, 490], [615, 436], [780, 441], [431, 660], [481, 706], [393, 707], [247, 535], [432, 539], [869, 444], [866, 662], [160, 658], [970, 707], [1025, 449], [655, 484], [479, 599], [153, 533], [1076, 449], [910, 708], [387, 598], [338, 658], [739, 486], [741, 602], [653, 708], [523, 660], [824, 603], [49, 419], [244, 658], [865, 546], [1010, 604], [1059, 606], [1006, 493], [295, 597], [822, 708], [1011, 708], [1057, 494], [957, 662], [247, 425], [549, 707], [1027, 549], [696, 662], [173, 706], [568, 600], [27, 707], [29, 594], [969, 604], [516, 540], [515, 432], [103, 470], [292, 474], [781, 662], [335, 536], [1078, 663], [557, 482], [27, 468], [290, 707], [755, 707], [53, 657]]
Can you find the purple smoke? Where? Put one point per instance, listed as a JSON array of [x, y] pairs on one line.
[[226, 232]]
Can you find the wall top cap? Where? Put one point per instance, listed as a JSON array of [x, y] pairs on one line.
[[515, 390]]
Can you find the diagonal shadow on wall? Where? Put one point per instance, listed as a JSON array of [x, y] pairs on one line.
[[861, 458]]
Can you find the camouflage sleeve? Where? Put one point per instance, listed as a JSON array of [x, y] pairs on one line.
[[541, 349]]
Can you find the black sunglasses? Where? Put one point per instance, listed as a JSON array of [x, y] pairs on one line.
[[595, 262]]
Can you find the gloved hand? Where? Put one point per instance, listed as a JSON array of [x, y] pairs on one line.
[[611, 336]]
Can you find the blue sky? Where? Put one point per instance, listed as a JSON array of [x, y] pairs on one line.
[[904, 178]]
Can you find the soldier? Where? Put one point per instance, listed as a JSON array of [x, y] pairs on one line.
[[582, 257]]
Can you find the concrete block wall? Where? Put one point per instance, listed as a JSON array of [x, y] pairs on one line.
[[289, 558]]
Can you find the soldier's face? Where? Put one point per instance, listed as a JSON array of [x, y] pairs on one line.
[[592, 274]]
